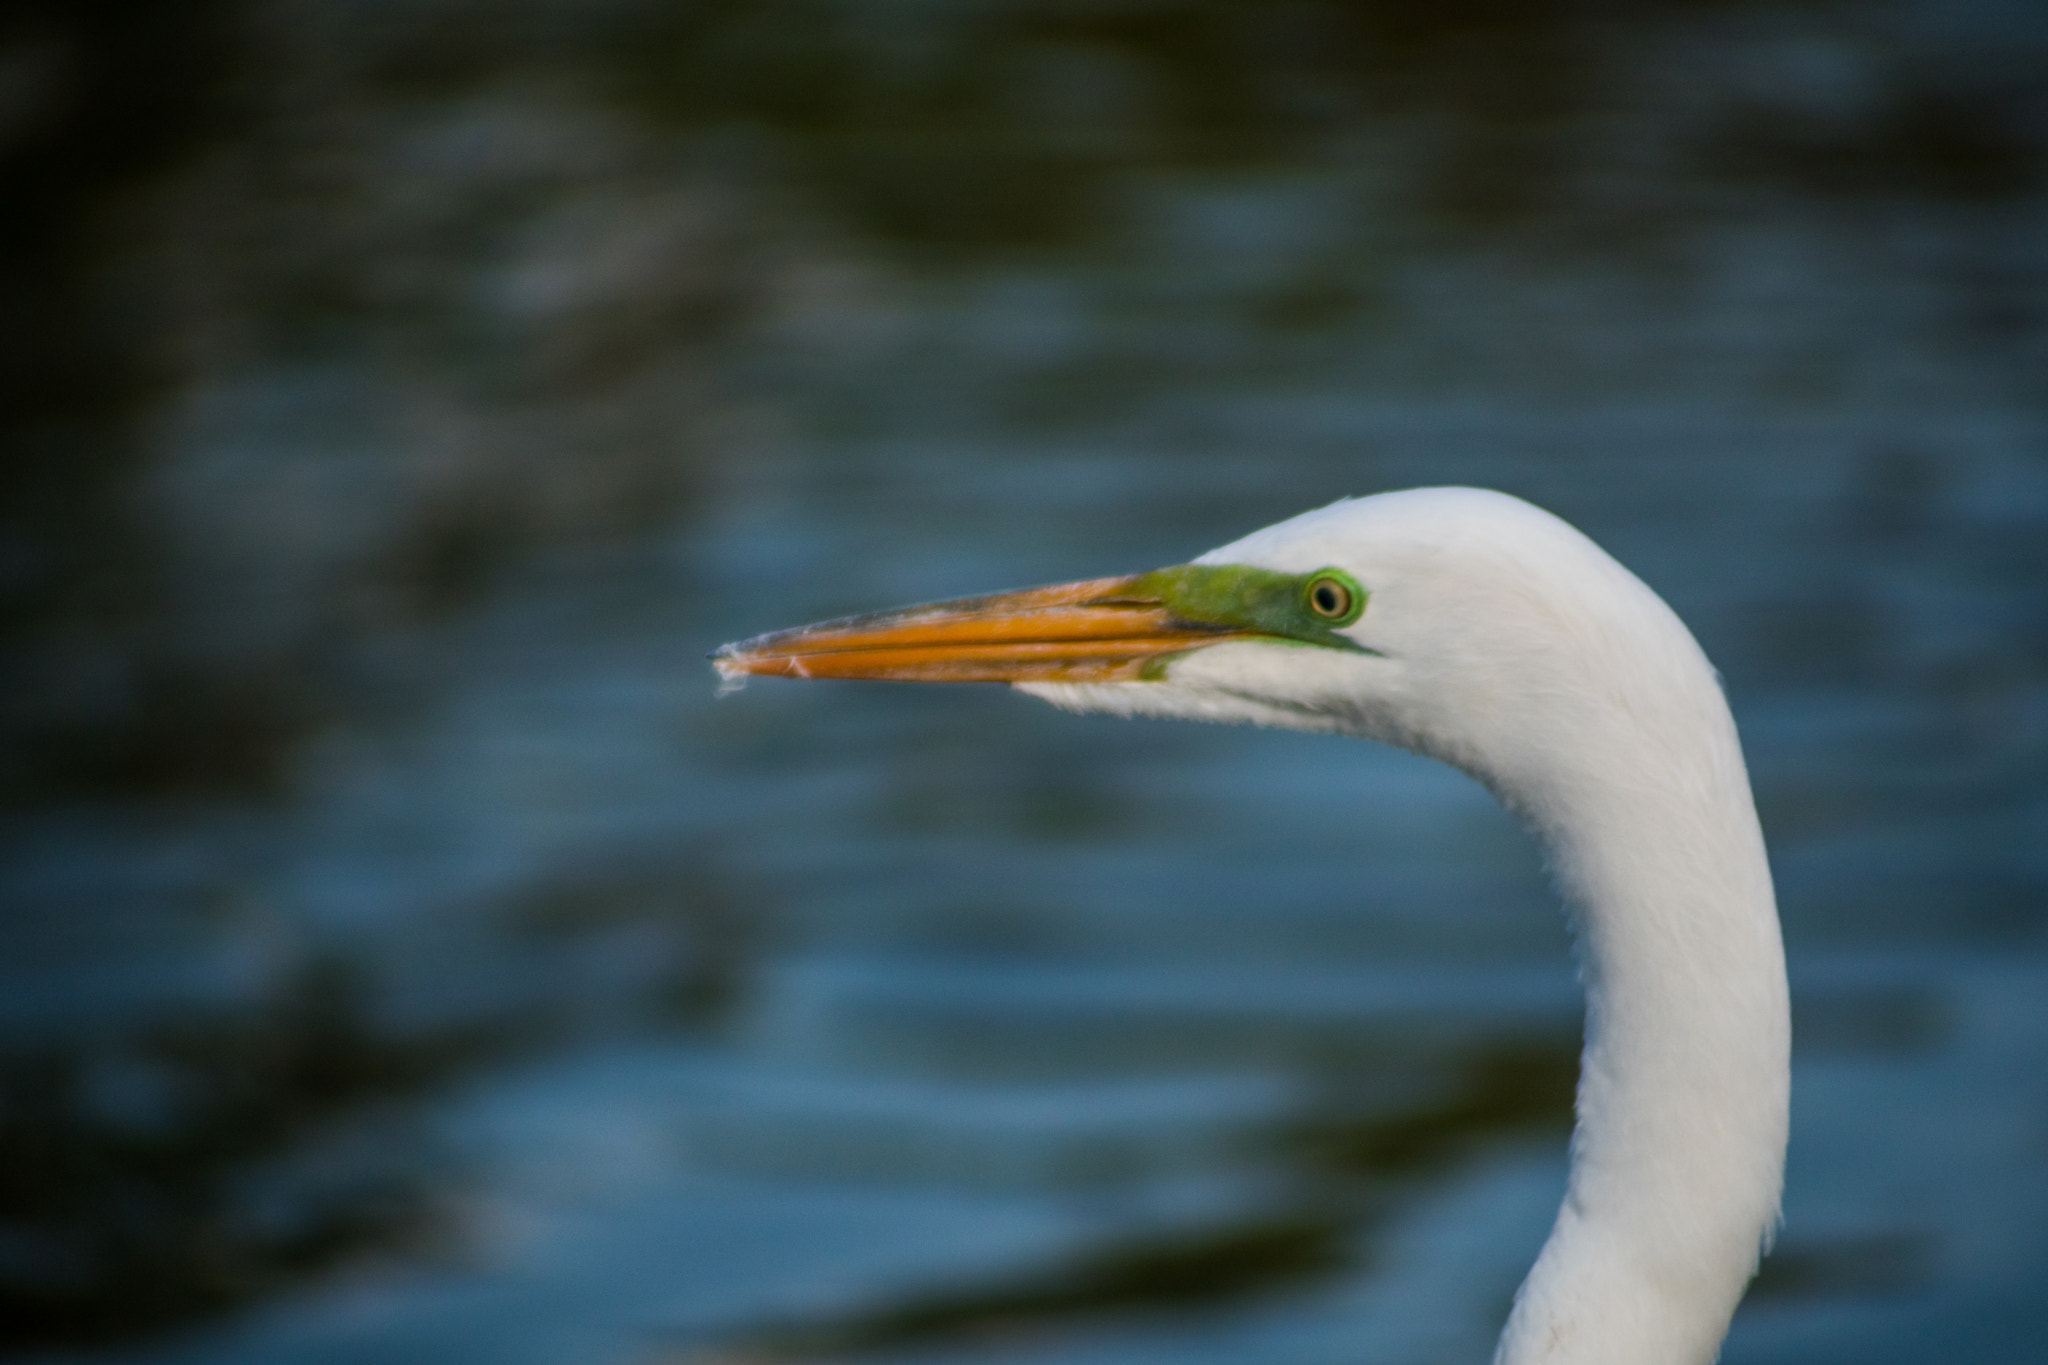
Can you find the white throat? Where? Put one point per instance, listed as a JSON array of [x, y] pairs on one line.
[[1678, 1156]]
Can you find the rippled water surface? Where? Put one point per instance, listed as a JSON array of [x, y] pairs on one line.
[[405, 954]]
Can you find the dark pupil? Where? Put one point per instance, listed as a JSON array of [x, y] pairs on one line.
[[1329, 599]]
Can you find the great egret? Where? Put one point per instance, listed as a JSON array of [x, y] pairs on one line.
[[1472, 627]]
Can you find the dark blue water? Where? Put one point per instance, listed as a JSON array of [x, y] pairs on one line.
[[406, 955]]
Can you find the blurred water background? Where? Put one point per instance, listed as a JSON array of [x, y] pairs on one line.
[[404, 956]]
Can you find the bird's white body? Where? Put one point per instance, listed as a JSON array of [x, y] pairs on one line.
[[1476, 629], [1507, 644]]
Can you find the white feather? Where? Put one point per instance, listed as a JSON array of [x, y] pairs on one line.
[[1506, 643]]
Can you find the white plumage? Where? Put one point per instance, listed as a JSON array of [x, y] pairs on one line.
[[1498, 639]]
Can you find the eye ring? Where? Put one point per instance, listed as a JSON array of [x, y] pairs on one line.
[[1334, 597]]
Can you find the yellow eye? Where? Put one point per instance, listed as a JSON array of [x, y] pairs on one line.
[[1331, 598]]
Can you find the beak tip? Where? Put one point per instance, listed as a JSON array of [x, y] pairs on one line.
[[732, 674]]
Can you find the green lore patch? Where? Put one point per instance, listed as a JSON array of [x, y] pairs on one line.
[[1307, 608]]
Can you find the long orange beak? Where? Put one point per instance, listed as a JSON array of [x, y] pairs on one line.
[[1101, 630]]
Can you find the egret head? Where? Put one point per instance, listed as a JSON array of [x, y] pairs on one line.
[[1457, 622]]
